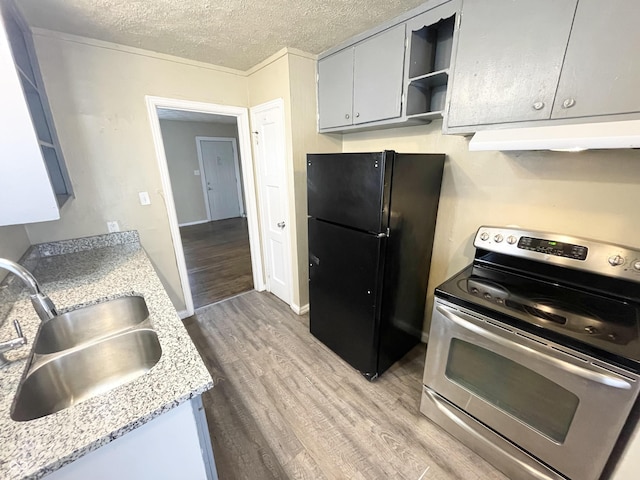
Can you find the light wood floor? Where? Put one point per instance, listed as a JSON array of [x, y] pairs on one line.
[[218, 259], [284, 406]]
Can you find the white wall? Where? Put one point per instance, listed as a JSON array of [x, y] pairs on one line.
[[97, 95], [593, 194], [290, 75], [179, 138], [305, 139]]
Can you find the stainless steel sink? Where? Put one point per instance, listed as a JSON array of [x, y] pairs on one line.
[[89, 323], [84, 353]]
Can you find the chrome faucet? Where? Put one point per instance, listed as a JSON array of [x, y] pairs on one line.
[[43, 305], [12, 344]]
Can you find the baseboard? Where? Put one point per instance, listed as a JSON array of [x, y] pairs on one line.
[[425, 337], [188, 224], [183, 314], [300, 310]]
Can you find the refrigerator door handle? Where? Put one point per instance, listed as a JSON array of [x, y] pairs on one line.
[[384, 234]]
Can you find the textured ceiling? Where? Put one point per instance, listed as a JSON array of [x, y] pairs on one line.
[[231, 33]]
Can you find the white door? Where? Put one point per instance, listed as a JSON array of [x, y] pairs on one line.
[[269, 146], [221, 178]]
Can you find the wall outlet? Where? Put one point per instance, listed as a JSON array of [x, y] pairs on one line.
[[144, 198], [113, 226], [196, 173]]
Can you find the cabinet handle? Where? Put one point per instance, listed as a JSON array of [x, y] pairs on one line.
[[538, 105], [568, 103], [357, 114], [346, 116]]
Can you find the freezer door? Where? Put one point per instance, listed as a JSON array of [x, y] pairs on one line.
[[350, 189], [344, 284]]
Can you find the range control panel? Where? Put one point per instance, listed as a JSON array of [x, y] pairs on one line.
[[572, 252], [553, 247]]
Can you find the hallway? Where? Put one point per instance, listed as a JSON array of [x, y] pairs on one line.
[[218, 259]]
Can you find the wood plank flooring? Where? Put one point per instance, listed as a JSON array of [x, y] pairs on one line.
[[285, 406], [218, 259]]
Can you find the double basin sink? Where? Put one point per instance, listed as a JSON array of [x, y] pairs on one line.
[[85, 352]]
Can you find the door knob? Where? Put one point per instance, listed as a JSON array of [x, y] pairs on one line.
[[281, 225]]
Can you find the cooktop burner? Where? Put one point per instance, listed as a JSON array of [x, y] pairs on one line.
[[586, 309]]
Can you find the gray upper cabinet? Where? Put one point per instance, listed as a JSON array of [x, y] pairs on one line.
[[362, 83], [509, 58], [335, 89], [601, 72], [430, 41], [377, 76]]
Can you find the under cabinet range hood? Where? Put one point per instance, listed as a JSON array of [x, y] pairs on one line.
[[561, 137]]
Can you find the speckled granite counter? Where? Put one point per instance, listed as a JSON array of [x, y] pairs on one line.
[[97, 268]]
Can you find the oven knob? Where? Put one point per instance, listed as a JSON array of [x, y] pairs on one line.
[[636, 265], [616, 260], [484, 236], [487, 295], [511, 239], [474, 290], [590, 330], [498, 238]]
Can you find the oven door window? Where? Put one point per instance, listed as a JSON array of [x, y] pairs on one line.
[[522, 393]]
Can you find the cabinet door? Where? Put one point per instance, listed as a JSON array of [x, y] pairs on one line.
[[26, 193], [377, 81], [601, 71], [335, 89], [508, 60]]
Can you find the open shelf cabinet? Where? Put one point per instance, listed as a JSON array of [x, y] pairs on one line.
[[430, 48]]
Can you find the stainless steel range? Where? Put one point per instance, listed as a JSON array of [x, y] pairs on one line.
[[534, 352]]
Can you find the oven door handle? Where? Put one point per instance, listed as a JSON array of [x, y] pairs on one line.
[[469, 324]]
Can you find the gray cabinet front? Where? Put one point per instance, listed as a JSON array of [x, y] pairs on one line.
[[509, 58], [335, 89], [377, 77], [601, 70], [362, 83]]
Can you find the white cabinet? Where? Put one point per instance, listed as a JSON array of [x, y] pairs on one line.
[[363, 82], [33, 179], [174, 445]]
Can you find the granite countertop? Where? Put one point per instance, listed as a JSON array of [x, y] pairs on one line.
[[83, 272]]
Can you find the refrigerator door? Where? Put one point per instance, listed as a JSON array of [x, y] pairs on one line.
[[344, 284], [350, 189]]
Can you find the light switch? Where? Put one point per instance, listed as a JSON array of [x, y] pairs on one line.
[[196, 173], [144, 198], [113, 226]]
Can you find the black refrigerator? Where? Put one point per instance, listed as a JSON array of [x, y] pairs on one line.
[[371, 224]]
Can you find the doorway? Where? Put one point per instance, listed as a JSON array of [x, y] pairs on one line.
[[204, 155], [221, 178]]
